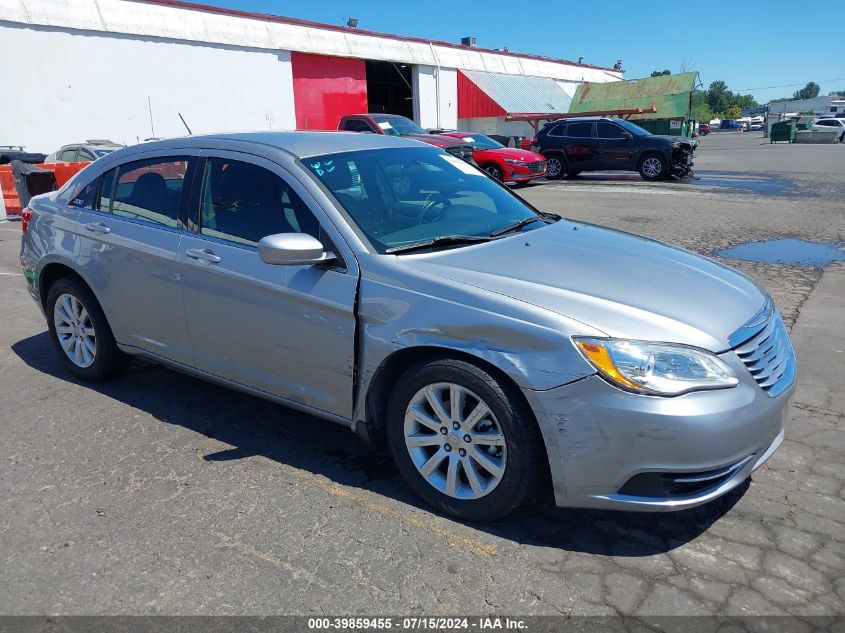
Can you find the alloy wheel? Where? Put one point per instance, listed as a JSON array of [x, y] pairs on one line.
[[75, 330], [455, 441], [652, 167], [553, 167]]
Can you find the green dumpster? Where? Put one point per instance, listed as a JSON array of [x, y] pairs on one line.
[[782, 131]]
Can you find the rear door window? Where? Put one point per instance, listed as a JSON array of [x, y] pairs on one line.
[[150, 190], [584, 129], [86, 195], [106, 191]]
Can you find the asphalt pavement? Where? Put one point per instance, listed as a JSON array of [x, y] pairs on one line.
[[161, 494]]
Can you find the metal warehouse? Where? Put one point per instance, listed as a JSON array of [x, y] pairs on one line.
[[128, 71]]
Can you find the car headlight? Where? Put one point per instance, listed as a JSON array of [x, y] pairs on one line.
[[655, 368], [514, 161]]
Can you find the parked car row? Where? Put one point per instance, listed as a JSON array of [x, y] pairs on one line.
[[561, 148]]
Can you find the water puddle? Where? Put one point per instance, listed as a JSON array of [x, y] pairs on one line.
[[748, 184], [787, 251]]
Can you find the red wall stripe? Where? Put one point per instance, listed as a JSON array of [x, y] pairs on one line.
[[473, 102], [325, 88]]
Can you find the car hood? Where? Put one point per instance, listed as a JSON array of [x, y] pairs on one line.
[[619, 284], [512, 153], [435, 139], [675, 139]]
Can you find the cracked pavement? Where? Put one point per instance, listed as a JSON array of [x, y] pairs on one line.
[[162, 494]]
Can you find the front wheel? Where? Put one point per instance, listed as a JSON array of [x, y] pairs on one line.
[[652, 167], [493, 171], [462, 441]]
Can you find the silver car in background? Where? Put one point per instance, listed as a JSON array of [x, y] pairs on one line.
[[383, 284]]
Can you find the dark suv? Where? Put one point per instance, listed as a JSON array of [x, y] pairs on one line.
[[597, 143]]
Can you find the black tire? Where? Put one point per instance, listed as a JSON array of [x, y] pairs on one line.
[[647, 168], [573, 173], [556, 166], [525, 460], [109, 362], [493, 171]]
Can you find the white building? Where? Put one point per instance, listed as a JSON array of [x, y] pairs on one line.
[[126, 70]]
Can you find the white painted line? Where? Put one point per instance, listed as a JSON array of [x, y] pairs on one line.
[[11, 274], [624, 189]]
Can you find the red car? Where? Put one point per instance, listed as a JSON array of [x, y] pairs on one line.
[[506, 164], [704, 129], [396, 125]]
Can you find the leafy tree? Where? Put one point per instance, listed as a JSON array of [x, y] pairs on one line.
[[810, 91], [700, 110], [718, 96], [720, 100], [660, 73], [734, 112]]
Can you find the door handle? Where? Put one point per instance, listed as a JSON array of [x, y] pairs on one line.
[[205, 255], [97, 228]]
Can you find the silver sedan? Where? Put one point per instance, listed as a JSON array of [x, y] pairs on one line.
[[388, 286]]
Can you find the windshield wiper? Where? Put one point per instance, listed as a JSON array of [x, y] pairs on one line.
[[516, 226], [443, 240]]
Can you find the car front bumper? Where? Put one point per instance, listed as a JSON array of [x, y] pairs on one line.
[[615, 450]]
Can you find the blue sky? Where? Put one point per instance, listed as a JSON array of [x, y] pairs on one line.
[[750, 45]]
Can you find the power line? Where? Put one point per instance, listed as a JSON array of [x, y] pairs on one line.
[[793, 85]]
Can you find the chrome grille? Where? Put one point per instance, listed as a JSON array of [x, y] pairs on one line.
[[769, 356], [536, 166]]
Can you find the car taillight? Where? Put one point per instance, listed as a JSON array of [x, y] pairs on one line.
[[533, 141], [26, 216]]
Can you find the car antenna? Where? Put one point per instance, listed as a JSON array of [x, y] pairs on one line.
[[185, 124]]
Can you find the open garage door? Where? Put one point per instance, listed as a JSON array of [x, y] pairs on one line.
[[389, 88]]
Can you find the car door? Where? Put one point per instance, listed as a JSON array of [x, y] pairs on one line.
[[614, 146], [129, 245], [285, 330], [580, 145]]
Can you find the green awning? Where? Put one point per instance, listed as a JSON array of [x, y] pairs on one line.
[[668, 94]]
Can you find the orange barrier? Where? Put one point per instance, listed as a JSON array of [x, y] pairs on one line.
[[63, 172]]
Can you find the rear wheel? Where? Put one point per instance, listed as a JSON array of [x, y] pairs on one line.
[[555, 166], [652, 167], [80, 332], [462, 441], [493, 171]]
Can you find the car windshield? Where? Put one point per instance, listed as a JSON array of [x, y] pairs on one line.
[[397, 125], [479, 141], [633, 128], [409, 196]]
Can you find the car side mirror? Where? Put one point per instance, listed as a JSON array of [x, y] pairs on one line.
[[292, 249]]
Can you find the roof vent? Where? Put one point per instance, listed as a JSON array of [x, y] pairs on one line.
[[469, 41]]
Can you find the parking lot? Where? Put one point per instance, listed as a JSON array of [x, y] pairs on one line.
[[162, 494]]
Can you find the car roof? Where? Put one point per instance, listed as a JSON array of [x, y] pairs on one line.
[[579, 119], [300, 143]]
